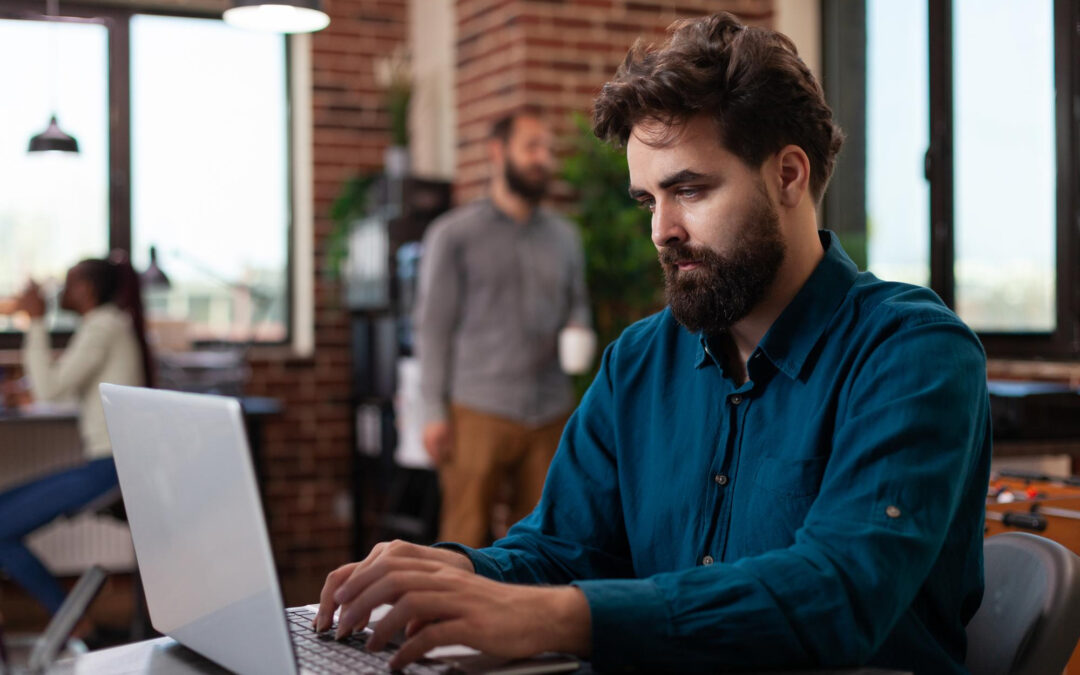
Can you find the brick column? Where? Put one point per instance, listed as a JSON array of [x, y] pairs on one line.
[[552, 55], [307, 450]]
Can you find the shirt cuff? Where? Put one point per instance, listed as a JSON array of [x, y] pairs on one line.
[[622, 607], [484, 565]]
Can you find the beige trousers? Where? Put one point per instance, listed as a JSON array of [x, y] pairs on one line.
[[490, 451]]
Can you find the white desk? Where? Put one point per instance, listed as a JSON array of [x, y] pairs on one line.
[[164, 656]]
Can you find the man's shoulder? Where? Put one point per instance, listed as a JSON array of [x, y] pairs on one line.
[[656, 333], [904, 311], [896, 301]]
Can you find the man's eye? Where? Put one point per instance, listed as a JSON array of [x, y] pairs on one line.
[[647, 205], [688, 192]]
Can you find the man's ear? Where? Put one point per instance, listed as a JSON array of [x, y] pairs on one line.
[[792, 175]]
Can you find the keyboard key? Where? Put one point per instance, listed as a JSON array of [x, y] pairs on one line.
[[321, 653]]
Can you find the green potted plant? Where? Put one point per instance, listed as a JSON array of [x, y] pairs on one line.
[[393, 73], [350, 206], [624, 280]]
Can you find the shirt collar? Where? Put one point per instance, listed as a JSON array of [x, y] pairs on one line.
[[802, 323], [789, 340], [498, 213]]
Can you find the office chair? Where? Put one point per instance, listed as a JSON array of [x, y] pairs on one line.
[[111, 504], [1029, 621]]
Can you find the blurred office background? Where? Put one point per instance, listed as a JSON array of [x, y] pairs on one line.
[[281, 188]]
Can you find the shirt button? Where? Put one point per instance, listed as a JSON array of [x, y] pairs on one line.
[[707, 560], [735, 399], [892, 511], [720, 479]]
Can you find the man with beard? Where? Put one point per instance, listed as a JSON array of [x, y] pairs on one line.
[[499, 279], [786, 468]]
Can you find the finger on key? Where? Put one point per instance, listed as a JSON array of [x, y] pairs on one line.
[[324, 618], [386, 590], [418, 606], [430, 636]]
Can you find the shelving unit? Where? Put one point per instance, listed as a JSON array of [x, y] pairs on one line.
[[390, 501]]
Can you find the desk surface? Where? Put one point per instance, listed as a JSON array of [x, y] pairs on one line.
[[164, 656], [40, 412]]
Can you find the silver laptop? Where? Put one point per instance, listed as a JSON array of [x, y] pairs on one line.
[[204, 554]]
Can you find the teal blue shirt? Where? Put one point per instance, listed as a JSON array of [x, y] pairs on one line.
[[827, 512]]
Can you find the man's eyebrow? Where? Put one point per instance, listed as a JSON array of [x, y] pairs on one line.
[[677, 178], [684, 176]]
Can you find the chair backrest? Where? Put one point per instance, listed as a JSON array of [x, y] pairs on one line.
[[1029, 620]]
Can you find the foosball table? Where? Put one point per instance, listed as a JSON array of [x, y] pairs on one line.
[[1043, 505]]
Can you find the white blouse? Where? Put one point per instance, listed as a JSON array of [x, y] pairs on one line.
[[103, 349]]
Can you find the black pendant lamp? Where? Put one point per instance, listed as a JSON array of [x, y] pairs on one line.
[[53, 139], [277, 16], [153, 276]]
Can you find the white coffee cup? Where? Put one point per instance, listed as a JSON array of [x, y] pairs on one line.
[[577, 347]]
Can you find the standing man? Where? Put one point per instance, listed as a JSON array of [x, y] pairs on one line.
[[499, 279], [785, 468]]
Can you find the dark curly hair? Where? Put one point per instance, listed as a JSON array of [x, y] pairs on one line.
[[750, 80], [115, 280]]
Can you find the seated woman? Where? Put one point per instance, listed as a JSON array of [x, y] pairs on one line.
[[109, 345]]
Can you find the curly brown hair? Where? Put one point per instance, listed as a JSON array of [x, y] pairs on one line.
[[750, 80]]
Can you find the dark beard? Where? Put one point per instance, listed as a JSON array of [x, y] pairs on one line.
[[724, 289], [528, 187]]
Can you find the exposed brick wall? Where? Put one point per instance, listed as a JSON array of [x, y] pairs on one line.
[[306, 450], [553, 55], [545, 53]]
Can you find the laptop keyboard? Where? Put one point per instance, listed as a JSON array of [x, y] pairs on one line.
[[321, 653]]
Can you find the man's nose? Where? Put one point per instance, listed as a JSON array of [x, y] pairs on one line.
[[545, 157], [667, 228]]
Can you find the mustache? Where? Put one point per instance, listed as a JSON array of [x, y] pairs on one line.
[[671, 255]]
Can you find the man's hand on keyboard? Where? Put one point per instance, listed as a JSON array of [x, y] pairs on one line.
[[341, 579], [438, 600]]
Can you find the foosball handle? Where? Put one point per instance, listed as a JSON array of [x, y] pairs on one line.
[[1026, 521]]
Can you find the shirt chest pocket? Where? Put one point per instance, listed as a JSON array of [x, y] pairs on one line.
[[790, 477], [773, 506]]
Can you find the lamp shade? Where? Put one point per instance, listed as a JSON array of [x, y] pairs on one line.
[[53, 139], [277, 16], [154, 276]]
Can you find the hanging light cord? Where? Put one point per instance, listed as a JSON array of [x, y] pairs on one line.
[[52, 10]]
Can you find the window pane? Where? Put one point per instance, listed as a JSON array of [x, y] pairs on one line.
[[897, 135], [209, 173], [1005, 171], [54, 207]]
